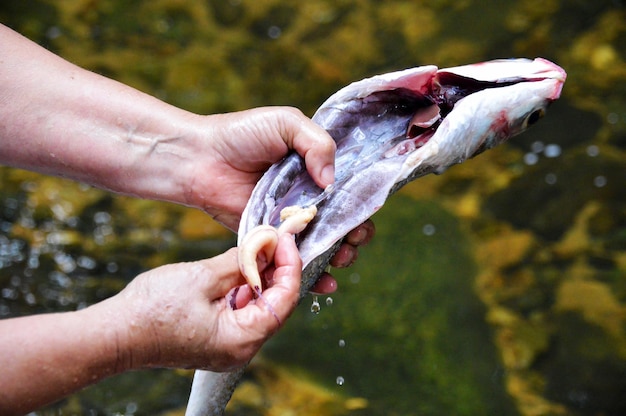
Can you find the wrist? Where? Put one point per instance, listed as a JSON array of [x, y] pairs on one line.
[[134, 323], [108, 323], [159, 158]]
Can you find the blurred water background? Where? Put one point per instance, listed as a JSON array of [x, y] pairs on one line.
[[498, 287]]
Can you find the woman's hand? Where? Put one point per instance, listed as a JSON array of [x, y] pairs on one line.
[[203, 314], [180, 315], [239, 147], [196, 315], [177, 315]]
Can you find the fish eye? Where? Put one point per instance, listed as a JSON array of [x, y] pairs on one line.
[[534, 117]]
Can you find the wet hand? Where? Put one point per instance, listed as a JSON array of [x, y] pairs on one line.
[[244, 145], [180, 315]]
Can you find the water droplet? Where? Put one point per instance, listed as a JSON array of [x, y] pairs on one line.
[[531, 158], [72, 222], [5, 226], [30, 299], [340, 381], [428, 229], [60, 211], [329, 301], [102, 217], [9, 293], [86, 262], [342, 343], [274, 32], [612, 118], [33, 259], [355, 278], [53, 32], [593, 150], [599, 181], [315, 306], [60, 279], [131, 408], [64, 261], [550, 178], [537, 147], [29, 186], [11, 203], [552, 150], [4, 310]]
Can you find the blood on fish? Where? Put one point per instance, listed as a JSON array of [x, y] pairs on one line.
[[500, 124]]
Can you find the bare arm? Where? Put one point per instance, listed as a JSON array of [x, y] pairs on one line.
[[173, 316], [60, 119], [46, 357]]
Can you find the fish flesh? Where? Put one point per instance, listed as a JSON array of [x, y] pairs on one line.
[[390, 129]]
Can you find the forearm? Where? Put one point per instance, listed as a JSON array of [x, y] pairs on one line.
[[60, 119], [46, 357]]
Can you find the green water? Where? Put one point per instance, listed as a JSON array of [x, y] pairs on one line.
[[406, 330], [498, 287]]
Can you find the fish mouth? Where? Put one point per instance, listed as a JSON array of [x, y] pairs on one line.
[[552, 70], [472, 78], [451, 85]]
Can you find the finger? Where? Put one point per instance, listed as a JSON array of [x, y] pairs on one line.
[[282, 295], [314, 144], [220, 274], [345, 256], [362, 234], [325, 285], [240, 296]]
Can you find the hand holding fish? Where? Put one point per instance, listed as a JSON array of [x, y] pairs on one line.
[[63, 120], [172, 316], [157, 330], [242, 146]]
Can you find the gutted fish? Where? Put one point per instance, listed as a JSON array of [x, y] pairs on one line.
[[396, 127], [390, 129]]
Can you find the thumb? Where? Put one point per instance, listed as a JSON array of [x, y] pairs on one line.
[[221, 273], [285, 286], [313, 143]]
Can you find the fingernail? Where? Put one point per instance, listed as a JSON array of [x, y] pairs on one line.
[[328, 174]]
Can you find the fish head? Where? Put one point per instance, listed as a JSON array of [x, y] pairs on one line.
[[483, 105]]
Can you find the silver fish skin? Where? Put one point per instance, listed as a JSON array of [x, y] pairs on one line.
[[390, 129]]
